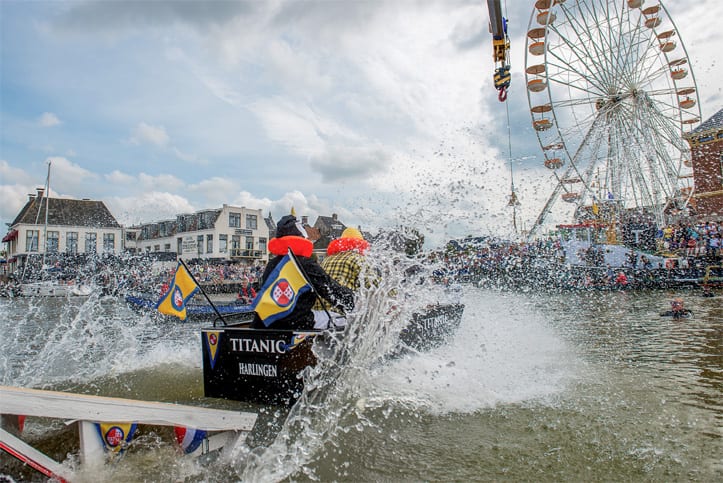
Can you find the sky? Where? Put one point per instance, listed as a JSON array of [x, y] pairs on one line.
[[382, 112]]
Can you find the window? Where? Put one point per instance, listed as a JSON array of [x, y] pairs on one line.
[[234, 220], [199, 244], [156, 248], [249, 243], [167, 247], [108, 242], [235, 245], [251, 222], [31, 240], [71, 242], [223, 243], [91, 242], [53, 242], [262, 245], [209, 243]]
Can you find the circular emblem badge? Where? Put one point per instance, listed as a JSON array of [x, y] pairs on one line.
[[114, 436], [282, 294], [177, 299]]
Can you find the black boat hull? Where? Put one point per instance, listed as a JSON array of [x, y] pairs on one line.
[[264, 366]]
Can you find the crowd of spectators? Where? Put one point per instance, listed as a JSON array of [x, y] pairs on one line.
[[129, 274], [687, 249], [703, 239]]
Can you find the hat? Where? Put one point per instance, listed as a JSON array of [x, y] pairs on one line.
[[352, 233], [351, 239], [288, 226]]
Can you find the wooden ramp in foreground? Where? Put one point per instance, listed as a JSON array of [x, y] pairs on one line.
[[227, 426]]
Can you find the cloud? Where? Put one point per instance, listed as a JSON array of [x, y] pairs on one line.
[[150, 206], [189, 158], [14, 197], [350, 163], [68, 178], [142, 183], [48, 119], [108, 17], [161, 182], [289, 124], [216, 189], [146, 134], [10, 174], [117, 177]]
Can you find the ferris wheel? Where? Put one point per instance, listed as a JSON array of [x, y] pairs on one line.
[[611, 94]]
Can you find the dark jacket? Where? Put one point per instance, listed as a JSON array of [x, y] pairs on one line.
[[302, 318]]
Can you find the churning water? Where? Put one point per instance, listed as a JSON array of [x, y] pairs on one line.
[[543, 387]]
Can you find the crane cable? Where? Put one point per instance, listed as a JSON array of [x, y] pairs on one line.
[[502, 96], [514, 202]]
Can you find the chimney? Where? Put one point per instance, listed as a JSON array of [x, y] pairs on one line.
[[31, 196], [333, 216], [40, 193], [304, 220]]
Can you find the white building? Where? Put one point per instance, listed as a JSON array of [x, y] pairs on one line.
[[230, 233], [53, 226]]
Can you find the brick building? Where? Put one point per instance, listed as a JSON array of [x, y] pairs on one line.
[[706, 144]]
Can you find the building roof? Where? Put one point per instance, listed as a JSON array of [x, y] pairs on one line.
[[66, 212], [715, 122], [329, 225], [271, 225]]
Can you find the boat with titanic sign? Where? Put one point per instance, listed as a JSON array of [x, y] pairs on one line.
[[264, 365]]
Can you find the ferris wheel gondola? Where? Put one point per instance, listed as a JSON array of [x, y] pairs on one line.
[[611, 94]]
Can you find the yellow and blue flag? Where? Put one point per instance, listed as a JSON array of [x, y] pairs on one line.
[[277, 297], [182, 289]]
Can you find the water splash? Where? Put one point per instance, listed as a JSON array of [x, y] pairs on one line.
[[363, 371], [339, 379], [64, 342]]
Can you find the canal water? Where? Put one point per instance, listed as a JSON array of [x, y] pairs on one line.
[[532, 387]]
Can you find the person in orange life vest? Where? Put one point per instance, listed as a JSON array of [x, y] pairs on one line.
[[291, 235], [246, 293], [344, 263]]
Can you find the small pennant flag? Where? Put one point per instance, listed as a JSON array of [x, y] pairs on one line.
[[212, 339], [116, 436]]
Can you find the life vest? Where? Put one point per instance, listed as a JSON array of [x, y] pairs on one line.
[[300, 246]]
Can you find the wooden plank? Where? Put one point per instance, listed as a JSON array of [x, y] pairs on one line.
[[82, 407], [19, 449]]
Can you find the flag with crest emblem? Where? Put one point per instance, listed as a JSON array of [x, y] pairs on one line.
[[182, 289], [277, 297]]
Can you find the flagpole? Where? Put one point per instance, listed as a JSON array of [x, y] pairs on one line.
[[204, 293], [318, 297]]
